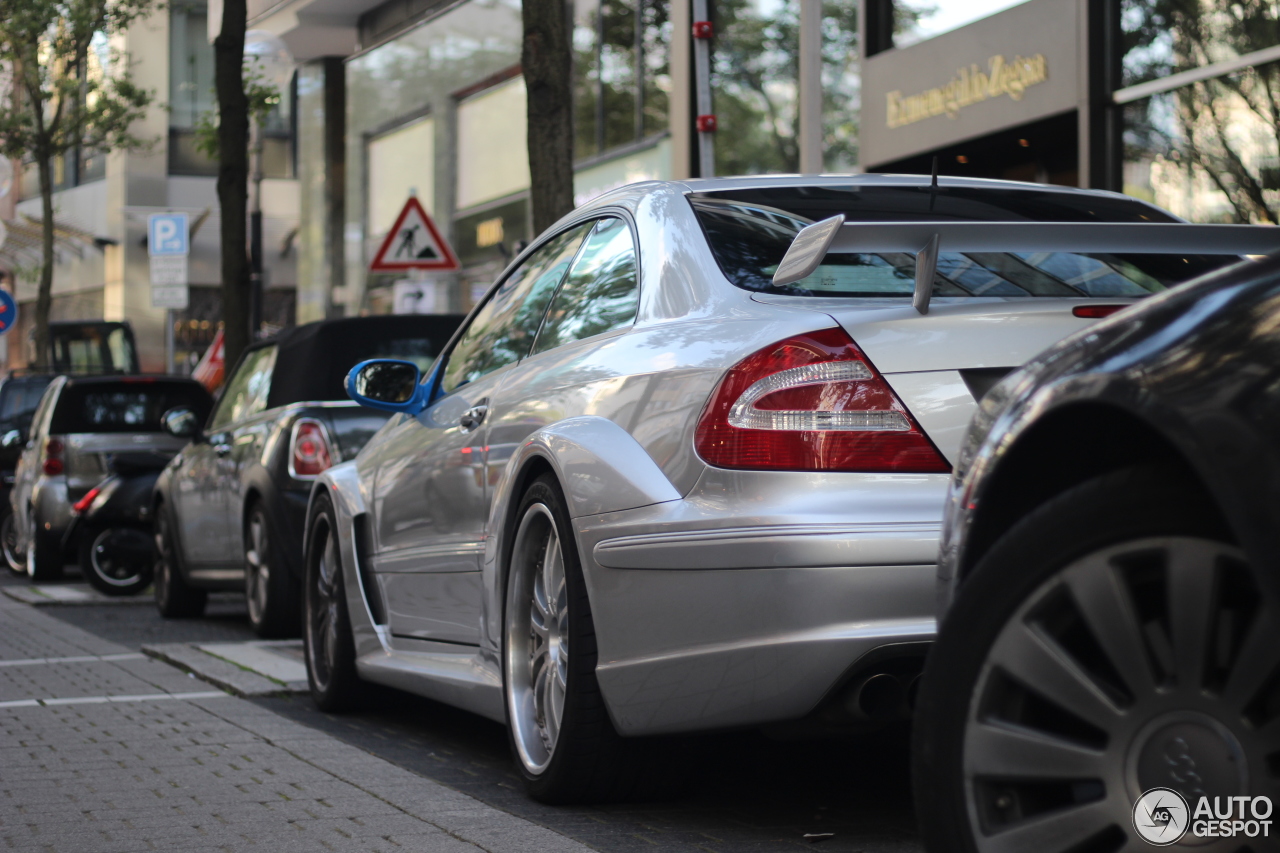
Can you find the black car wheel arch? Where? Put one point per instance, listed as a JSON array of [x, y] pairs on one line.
[[1063, 729]]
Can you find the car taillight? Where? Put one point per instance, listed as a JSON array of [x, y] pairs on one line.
[[1092, 312], [812, 403], [83, 504], [310, 454], [52, 457]]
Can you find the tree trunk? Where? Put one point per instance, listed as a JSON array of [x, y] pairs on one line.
[[233, 177], [546, 59], [44, 296]]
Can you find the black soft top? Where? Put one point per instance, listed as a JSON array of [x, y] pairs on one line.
[[313, 360]]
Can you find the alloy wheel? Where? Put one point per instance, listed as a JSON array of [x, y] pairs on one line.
[[536, 662], [257, 574], [323, 620], [1150, 664]]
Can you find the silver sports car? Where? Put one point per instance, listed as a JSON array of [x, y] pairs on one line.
[[683, 467]]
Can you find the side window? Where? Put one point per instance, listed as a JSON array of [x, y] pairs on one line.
[[600, 293], [246, 393], [503, 330]]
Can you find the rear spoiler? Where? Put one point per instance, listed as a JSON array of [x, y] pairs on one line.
[[926, 239]]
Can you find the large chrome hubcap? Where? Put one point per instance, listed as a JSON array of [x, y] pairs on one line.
[[1152, 664], [257, 568], [536, 665]]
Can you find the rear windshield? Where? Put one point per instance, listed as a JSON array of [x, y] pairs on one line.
[[125, 407], [749, 238]]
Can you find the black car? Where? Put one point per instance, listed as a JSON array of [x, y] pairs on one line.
[[1107, 671], [20, 393], [231, 507]]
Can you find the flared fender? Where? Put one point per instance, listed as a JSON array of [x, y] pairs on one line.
[[601, 468]]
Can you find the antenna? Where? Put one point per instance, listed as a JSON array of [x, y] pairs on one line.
[[933, 184]]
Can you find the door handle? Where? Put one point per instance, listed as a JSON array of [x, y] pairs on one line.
[[473, 417], [222, 449]]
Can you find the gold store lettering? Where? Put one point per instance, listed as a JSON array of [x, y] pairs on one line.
[[970, 86]]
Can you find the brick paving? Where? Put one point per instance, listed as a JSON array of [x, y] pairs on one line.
[[105, 751]]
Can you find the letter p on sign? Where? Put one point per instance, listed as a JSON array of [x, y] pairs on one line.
[[167, 234]]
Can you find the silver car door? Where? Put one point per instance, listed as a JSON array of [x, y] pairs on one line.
[[207, 483], [431, 492]]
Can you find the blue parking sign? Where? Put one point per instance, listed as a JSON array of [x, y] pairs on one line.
[[167, 234]]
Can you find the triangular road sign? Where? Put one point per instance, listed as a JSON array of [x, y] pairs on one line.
[[413, 243]]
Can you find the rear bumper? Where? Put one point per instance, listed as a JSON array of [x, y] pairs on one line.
[[748, 601]]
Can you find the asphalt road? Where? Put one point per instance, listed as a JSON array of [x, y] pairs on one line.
[[738, 791]]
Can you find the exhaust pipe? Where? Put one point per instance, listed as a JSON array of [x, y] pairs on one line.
[[878, 697]]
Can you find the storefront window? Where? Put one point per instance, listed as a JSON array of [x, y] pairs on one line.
[[755, 72], [401, 163], [434, 84], [1209, 151], [620, 72]]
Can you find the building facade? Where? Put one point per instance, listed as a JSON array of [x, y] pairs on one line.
[[102, 204], [1170, 102]]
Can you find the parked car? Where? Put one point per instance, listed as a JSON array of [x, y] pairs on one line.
[[683, 468], [1111, 590], [231, 507], [93, 346], [80, 422], [20, 392]]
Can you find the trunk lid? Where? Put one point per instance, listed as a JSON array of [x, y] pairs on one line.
[[86, 454]]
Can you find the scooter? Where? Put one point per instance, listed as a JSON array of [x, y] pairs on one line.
[[111, 526]]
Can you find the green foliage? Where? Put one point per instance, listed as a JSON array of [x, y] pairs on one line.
[[263, 99], [68, 88]]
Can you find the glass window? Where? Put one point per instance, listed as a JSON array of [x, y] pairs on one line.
[[621, 79], [131, 406], [504, 328], [749, 241], [401, 163], [600, 293], [246, 394]]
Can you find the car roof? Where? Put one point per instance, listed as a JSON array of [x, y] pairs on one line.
[[129, 379]]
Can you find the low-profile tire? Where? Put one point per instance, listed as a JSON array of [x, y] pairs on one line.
[[117, 560], [175, 598], [565, 746], [44, 554], [1112, 642], [326, 637], [15, 559], [269, 591]]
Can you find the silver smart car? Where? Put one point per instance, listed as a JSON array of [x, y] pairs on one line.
[[683, 468]]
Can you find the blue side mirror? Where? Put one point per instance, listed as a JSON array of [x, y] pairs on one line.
[[388, 385]]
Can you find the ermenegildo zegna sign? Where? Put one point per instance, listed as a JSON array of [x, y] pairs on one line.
[[1013, 67], [969, 86]]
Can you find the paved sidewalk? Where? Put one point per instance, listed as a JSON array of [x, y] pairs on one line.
[[104, 750]]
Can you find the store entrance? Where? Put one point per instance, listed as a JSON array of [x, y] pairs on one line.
[[1044, 151]]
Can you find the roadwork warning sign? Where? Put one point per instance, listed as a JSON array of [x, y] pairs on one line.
[[413, 243]]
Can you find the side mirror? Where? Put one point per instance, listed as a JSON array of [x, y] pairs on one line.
[[387, 385], [180, 422], [12, 438]]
